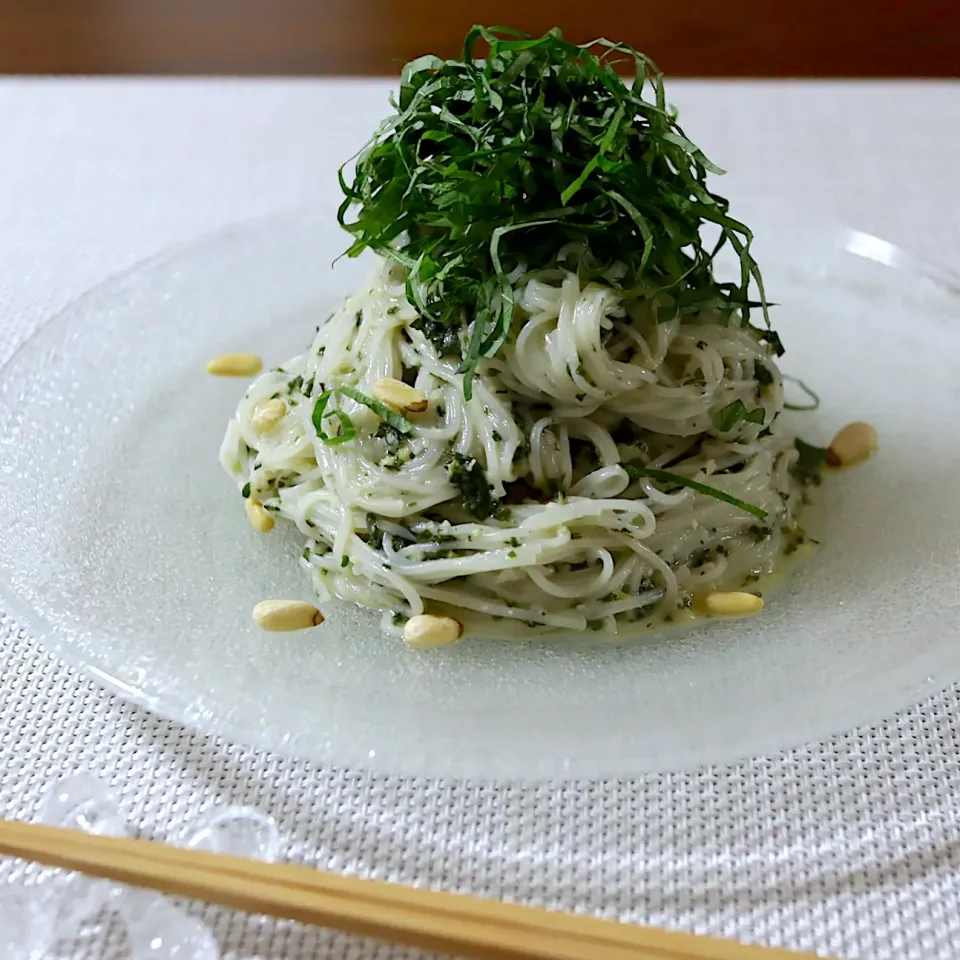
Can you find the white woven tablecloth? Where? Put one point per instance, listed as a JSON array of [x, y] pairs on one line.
[[849, 847]]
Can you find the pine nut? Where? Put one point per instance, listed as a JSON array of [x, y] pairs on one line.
[[277, 616], [260, 520], [399, 395], [267, 414], [852, 444], [734, 604], [426, 630], [235, 365]]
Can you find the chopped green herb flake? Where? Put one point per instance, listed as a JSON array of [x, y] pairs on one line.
[[727, 418], [444, 336], [467, 475], [391, 435], [245, 492], [810, 463], [776, 344], [762, 372], [374, 533]]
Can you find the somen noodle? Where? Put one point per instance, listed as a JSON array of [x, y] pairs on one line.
[[601, 442]]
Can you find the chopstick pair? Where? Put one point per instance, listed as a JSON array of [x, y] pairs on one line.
[[456, 924]]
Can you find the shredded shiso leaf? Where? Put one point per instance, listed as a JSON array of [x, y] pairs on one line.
[[496, 162]]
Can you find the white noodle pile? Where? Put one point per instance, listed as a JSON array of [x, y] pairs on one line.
[[586, 382]]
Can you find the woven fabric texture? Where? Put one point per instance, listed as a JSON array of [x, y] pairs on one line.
[[849, 847]]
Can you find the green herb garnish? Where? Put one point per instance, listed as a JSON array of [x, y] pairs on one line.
[[467, 475], [727, 418], [245, 492], [772, 338], [810, 463], [492, 163], [399, 423], [374, 532], [443, 336], [391, 435], [637, 470], [429, 534], [347, 429]]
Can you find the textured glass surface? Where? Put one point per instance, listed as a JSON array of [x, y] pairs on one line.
[[46, 909], [238, 832], [128, 553]]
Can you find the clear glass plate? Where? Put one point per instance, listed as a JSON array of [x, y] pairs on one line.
[[126, 550]]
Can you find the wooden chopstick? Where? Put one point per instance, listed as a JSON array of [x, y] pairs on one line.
[[443, 922]]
